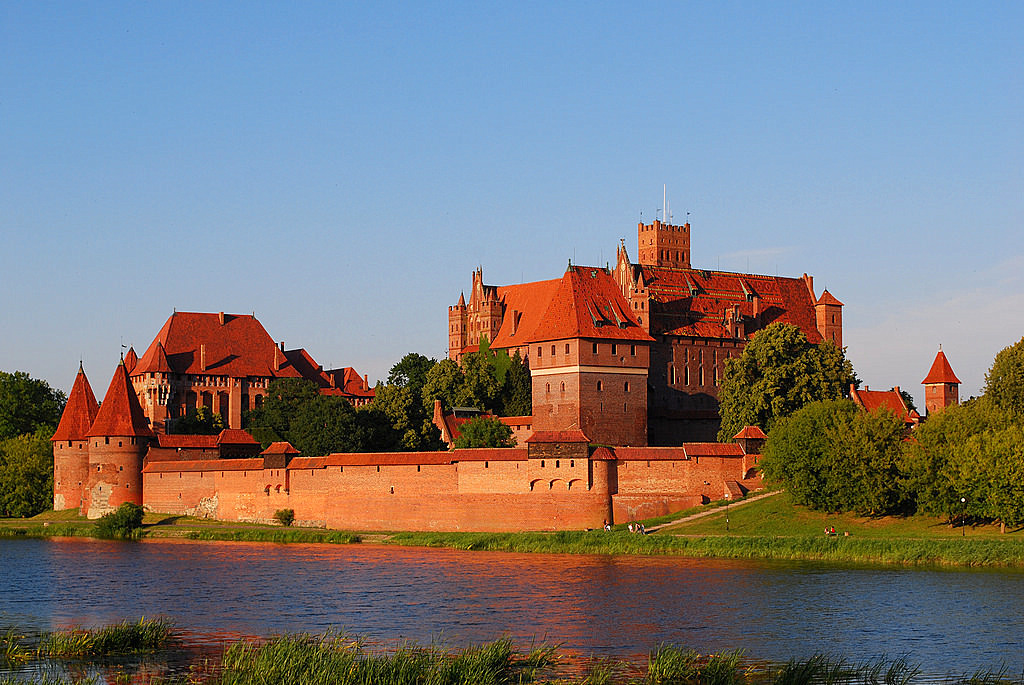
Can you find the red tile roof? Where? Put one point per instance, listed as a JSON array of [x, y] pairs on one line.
[[130, 359], [525, 304], [236, 436], [828, 298], [410, 458], [712, 449], [574, 435], [873, 400], [941, 371], [588, 304], [120, 414], [251, 464], [281, 447], [201, 442], [750, 433], [696, 302], [236, 345], [79, 412]]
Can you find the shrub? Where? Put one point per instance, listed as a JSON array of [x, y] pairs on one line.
[[285, 516], [124, 523]]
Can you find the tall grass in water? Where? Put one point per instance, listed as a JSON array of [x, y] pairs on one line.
[[669, 665], [338, 659], [143, 635]]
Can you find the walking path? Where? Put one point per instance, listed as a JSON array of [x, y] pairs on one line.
[[717, 510]]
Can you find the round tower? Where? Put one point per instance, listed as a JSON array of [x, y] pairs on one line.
[[118, 441], [71, 446]]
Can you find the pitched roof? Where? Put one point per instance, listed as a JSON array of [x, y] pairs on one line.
[[574, 435], [235, 436], [828, 298], [280, 448], [120, 414], [176, 441], [696, 302], [750, 433], [873, 400], [250, 464], [588, 304], [131, 359], [525, 304], [79, 412], [235, 345], [941, 371]]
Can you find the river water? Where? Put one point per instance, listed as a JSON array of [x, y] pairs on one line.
[[949, 622]]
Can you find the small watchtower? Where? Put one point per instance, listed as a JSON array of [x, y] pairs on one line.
[[941, 386]]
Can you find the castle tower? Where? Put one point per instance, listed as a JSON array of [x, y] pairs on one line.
[[118, 440], [71, 446], [941, 386], [457, 328], [661, 244], [828, 313]]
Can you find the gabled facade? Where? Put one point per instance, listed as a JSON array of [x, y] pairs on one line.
[[224, 362]]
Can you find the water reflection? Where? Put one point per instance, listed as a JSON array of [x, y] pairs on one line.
[[948, 621]]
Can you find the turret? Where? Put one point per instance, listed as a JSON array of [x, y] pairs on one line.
[[828, 312], [118, 441], [71, 446], [941, 386]]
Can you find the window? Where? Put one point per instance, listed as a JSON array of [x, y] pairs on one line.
[[600, 387], [632, 350], [558, 463], [552, 350], [595, 348], [563, 386], [625, 386], [567, 348], [613, 348], [540, 351], [542, 463], [572, 463]]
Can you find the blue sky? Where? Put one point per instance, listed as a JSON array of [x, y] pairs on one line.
[[341, 168]]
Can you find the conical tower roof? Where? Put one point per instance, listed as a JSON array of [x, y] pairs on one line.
[[941, 371], [121, 414], [80, 411]]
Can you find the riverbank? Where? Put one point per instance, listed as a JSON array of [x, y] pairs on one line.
[[341, 658], [771, 528]]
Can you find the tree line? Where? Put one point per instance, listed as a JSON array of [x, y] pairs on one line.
[[29, 413]]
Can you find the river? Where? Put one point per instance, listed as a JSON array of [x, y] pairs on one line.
[[946, 621]]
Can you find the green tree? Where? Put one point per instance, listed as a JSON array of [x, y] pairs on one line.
[[447, 383], [26, 474], [830, 455], [201, 421], [517, 391], [411, 372], [1004, 382], [285, 397], [124, 522], [778, 372], [484, 431], [27, 404]]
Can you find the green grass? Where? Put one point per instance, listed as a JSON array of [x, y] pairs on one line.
[[144, 635]]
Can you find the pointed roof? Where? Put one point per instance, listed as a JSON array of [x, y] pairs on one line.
[[828, 298], [941, 371], [131, 359], [281, 447], [750, 433], [120, 414], [873, 400], [79, 412]]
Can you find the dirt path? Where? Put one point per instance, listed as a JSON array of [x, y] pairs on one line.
[[691, 517]]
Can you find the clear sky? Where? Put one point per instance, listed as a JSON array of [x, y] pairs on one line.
[[341, 168]]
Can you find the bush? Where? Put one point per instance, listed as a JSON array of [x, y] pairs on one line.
[[124, 523], [285, 516]]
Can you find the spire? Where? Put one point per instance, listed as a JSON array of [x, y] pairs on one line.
[[120, 414], [79, 412], [130, 360], [941, 371]]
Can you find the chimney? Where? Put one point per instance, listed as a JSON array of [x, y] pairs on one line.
[[366, 381], [220, 317], [202, 356], [277, 357]]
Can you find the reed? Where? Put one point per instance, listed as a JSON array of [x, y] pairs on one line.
[[275, 534], [144, 635]]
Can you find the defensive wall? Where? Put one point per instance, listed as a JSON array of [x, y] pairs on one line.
[[473, 489]]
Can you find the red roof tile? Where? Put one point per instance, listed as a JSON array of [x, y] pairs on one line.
[[236, 345], [120, 414], [696, 302], [79, 412], [251, 464], [235, 436], [649, 453], [712, 449], [575, 435], [281, 447], [941, 371], [130, 360], [750, 433], [409, 458], [588, 304], [525, 304], [872, 400], [201, 442], [828, 298]]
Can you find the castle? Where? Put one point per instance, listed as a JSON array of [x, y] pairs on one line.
[[651, 337], [619, 359]]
